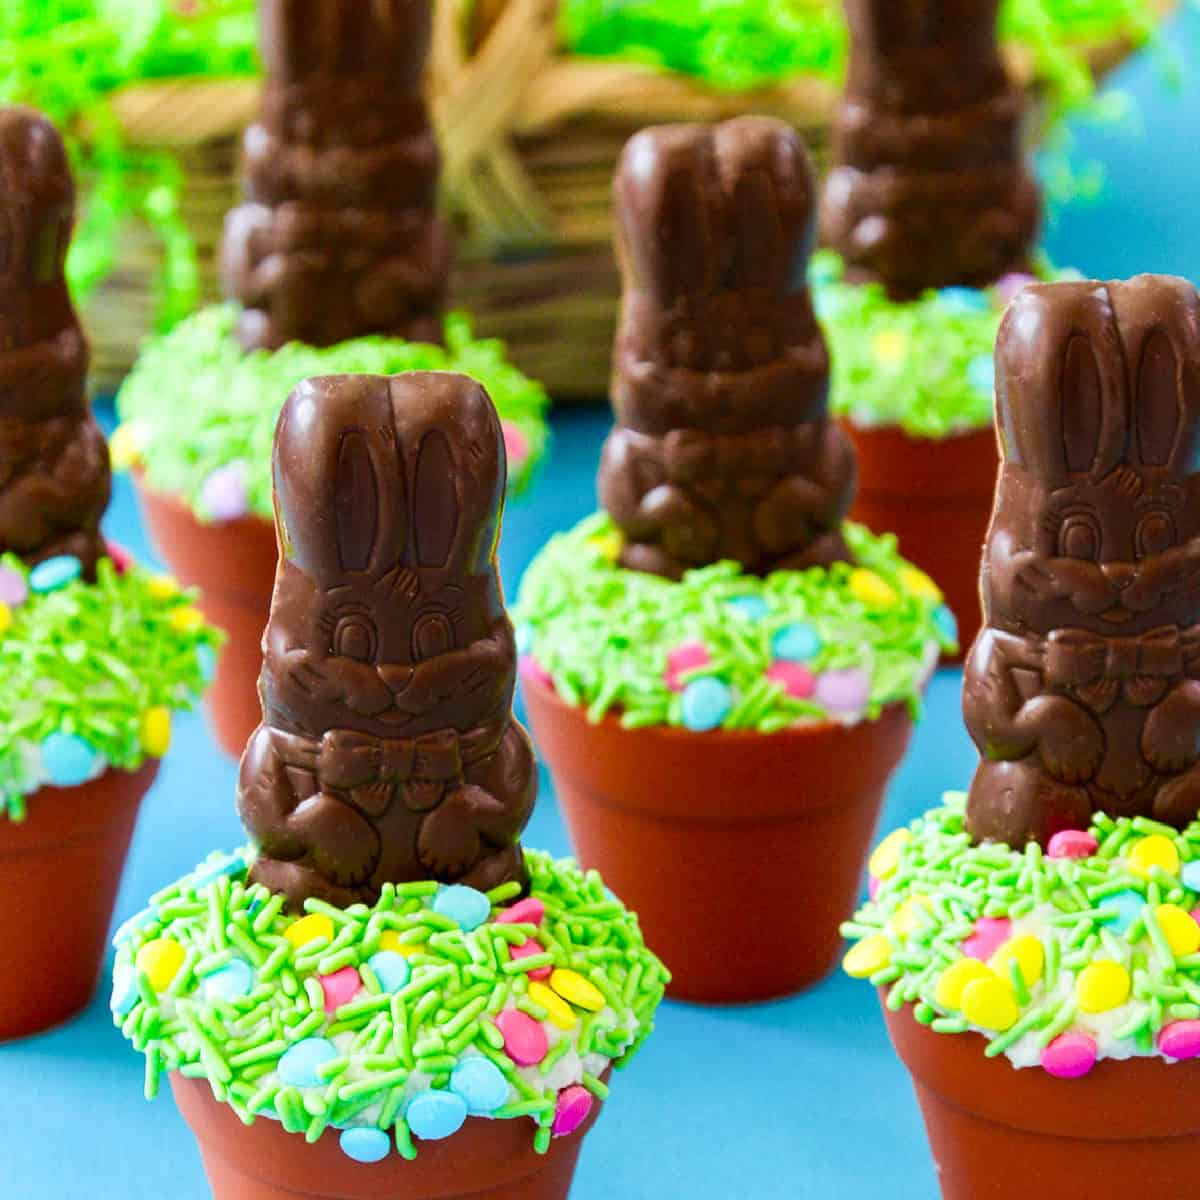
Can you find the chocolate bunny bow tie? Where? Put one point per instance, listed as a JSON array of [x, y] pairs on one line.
[[1098, 668]]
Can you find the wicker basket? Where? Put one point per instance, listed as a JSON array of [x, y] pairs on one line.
[[530, 138]]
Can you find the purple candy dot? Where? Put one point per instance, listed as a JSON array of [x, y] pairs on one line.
[[1180, 1039], [1009, 285], [1069, 1056], [223, 495], [843, 691], [13, 588]]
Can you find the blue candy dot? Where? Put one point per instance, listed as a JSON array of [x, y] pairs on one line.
[[391, 969], [753, 608], [1128, 904], [55, 573], [138, 921], [365, 1145], [981, 374], [207, 658], [796, 643], [524, 639], [464, 905], [217, 868], [1191, 875], [945, 622], [233, 980], [433, 1115], [299, 1064], [125, 990], [706, 703], [68, 760], [964, 300], [481, 1084]]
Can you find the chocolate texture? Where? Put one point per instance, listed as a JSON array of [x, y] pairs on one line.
[[1083, 690], [54, 471], [388, 751], [722, 447], [338, 236], [929, 186]]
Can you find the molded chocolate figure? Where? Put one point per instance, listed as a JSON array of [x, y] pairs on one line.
[[388, 751], [338, 237], [54, 472], [1083, 691], [929, 187], [722, 446]]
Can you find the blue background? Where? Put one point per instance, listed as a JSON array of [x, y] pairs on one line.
[[800, 1098]]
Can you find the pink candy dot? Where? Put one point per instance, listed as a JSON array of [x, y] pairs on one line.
[[527, 949], [529, 911], [798, 681], [1072, 843], [525, 1041], [340, 988], [571, 1110], [688, 657], [1180, 1039], [516, 444], [122, 560], [532, 671], [1070, 1056], [874, 883], [990, 934], [223, 495]]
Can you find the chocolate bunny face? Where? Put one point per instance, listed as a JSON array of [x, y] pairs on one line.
[[1097, 522]]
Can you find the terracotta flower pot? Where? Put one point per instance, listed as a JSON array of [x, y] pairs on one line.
[[233, 563], [936, 497], [740, 852], [1126, 1129], [59, 872], [484, 1160]]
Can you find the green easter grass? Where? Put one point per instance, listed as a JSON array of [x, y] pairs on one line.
[[604, 632], [1066, 903], [91, 659], [397, 1043], [195, 401]]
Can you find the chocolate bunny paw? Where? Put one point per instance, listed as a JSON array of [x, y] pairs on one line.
[[1070, 741], [449, 843], [1171, 735]]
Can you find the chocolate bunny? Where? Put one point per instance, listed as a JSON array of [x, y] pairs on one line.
[[338, 237], [929, 187], [388, 751], [722, 446], [1083, 690], [54, 471]]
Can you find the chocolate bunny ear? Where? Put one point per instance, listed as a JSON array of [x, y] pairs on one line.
[[1159, 320], [770, 187], [1060, 386], [452, 448], [339, 491], [669, 234]]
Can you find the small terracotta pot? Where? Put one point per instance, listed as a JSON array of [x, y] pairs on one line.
[[484, 1160], [59, 873], [233, 564], [936, 496], [741, 853], [1126, 1129]]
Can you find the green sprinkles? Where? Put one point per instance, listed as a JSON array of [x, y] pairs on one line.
[[225, 401], [607, 636], [95, 666], [1100, 950], [241, 1028]]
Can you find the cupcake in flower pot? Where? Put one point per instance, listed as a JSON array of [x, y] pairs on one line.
[[929, 214], [335, 263], [385, 995], [96, 654], [720, 671], [1037, 940]]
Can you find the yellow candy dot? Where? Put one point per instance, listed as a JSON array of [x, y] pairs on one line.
[[5, 617], [124, 447], [187, 620], [1029, 955], [864, 958], [1154, 851], [919, 584], [891, 347], [610, 544], [990, 1004], [873, 590], [156, 731], [908, 916], [160, 961], [1182, 933], [389, 939], [886, 858], [1102, 986], [572, 986], [559, 1011], [308, 929], [956, 978], [163, 587]]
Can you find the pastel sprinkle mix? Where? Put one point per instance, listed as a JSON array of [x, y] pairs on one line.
[[481, 1084], [434, 1115], [314, 927], [155, 733], [706, 704], [571, 1110], [1180, 1039], [299, 1063], [14, 591], [223, 496], [465, 906], [68, 759], [160, 961], [365, 1145], [796, 642], [1154, 852], [1069, 1056], [339, 988], [691, 656], [525, 1040], [1072, 843], [54, 573]]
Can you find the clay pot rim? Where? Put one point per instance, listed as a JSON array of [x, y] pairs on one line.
[[178, 502], [890, 428]]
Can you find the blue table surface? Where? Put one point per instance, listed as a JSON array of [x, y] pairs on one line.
[[799, 1098]]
